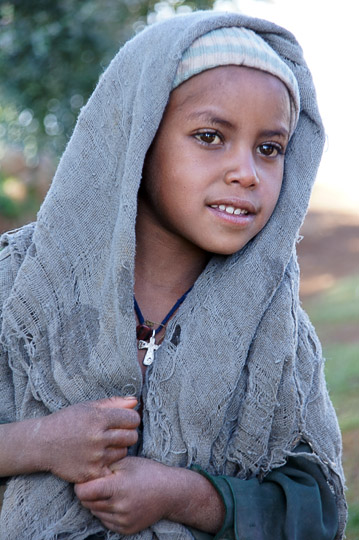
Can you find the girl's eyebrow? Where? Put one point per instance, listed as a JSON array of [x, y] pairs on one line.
[[281, 132], [208, 117], [211, 119]]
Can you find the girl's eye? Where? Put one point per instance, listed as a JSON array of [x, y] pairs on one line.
[[208, 137], [270, 149]]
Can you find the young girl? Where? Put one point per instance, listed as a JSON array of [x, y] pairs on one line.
[[202, 412]]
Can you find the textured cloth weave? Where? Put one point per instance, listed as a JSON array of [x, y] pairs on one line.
[[238, 380]]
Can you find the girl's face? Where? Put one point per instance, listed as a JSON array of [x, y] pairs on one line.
[[213, 174]]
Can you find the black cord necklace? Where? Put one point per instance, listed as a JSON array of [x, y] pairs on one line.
[[145, 332]]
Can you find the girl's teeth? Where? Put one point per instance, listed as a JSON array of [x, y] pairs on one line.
[[229, 209]]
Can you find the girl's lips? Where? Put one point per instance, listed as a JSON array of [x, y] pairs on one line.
[[237, 217]]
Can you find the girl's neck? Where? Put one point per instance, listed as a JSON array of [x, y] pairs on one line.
[[165, 268]]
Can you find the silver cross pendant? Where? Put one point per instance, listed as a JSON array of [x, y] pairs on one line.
[[151, 348]]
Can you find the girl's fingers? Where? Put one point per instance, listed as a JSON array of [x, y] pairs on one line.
[[115, 454], [99, 489], [117, 402], [121, 437], [122, 418], [98, 506]]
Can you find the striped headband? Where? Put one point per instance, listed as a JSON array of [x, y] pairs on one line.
[[242, 47]]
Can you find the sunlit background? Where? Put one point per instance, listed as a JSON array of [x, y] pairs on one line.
[[328, 33]]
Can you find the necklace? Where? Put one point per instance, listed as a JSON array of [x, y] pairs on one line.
[[145, 330]]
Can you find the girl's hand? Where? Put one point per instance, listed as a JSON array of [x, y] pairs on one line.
[[140, 492], [131, 499], [81, 442]]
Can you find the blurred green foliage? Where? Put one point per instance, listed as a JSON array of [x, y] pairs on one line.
[[51, 55], [17, 199]]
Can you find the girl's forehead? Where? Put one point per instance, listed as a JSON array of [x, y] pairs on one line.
[[232, 82]]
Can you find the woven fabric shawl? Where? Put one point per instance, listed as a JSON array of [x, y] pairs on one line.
[[238, 380]]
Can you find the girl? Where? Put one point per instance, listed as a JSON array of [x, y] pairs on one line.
[[180, 194]]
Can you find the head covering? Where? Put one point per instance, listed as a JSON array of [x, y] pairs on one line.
[[241, 47], [238, 379]]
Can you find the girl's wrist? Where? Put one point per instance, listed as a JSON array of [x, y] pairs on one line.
[[40, 440], [195, 502], [22, 451]]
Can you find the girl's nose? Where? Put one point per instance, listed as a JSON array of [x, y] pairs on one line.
[[241, 170]]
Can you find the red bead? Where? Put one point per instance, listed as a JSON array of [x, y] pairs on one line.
[[143, 332]]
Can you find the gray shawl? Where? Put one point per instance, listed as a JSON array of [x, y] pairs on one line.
[[238, 380]]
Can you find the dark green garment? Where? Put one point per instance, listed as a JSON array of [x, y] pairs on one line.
[[293, 502]]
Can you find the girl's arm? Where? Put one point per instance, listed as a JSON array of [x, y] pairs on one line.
[[293, 500], [141, 491], [77, 443]]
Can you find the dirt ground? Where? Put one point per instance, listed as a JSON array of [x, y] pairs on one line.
[[328, 251]]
